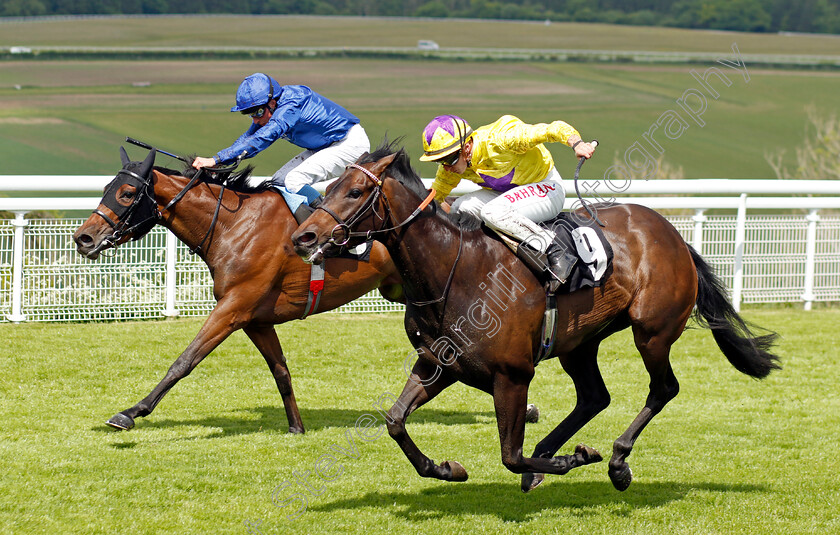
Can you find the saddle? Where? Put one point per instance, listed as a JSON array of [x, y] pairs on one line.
[[584, 239]]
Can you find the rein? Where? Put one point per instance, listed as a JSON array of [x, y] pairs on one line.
[[180, 195], [448, 285], [121, 229], [197, 248], [368, 205], [368, 235]]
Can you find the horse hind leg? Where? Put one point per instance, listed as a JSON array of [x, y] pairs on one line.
[[510, 395], [592, 398], [266, 341], [655, 350]]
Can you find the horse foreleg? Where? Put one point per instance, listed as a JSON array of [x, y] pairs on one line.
[[414, 395], [510, 397], [663, 388], [592, 397], [265, 338], [221, 322]]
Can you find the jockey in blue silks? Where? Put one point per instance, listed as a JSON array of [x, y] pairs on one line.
[[331, 136]]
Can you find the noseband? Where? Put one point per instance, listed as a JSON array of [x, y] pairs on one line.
[[126, 213], [369, 203]]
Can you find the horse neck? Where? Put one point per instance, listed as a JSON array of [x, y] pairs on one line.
[[190, 218], [440, 241]]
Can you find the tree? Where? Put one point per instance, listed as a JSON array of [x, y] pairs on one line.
[[742, 15], [435, 8], [22, 8], [818, 157]]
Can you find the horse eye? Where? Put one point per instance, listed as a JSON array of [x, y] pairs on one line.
[[128, 194], [355, 193]]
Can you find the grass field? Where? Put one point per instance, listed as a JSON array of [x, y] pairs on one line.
[[69, 117], [730, 455], [268, 31]]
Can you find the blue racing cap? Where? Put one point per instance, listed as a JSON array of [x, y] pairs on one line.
[[256, 90]]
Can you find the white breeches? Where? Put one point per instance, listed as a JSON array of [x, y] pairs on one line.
[[516, 212], [312, 166]]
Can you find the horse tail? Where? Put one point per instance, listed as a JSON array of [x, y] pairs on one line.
[[747, 352]]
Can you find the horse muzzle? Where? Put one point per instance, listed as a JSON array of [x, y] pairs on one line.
[[311, 253], [91, 246]]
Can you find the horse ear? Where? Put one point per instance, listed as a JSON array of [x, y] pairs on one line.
[[124, 158], [147, 164], [380, 166], [363, 156]]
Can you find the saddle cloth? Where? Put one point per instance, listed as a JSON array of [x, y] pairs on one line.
[[584, 238]]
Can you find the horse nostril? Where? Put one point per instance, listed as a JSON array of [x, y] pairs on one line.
[[84, 239], [307, 238]]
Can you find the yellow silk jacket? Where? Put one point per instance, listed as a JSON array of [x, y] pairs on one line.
[[506, 154]]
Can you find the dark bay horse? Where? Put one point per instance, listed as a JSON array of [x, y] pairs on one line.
[[258, 280], [474, 312]]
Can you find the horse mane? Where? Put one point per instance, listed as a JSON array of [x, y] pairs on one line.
[[401, 170], [236, 181]]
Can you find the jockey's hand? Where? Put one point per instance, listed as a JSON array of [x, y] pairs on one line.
[[584, 150], [446, 207], [198, 163]]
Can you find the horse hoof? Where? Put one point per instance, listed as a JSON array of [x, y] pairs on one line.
[[532, 414], [621, 477], [121, 421], [531, 481], [296, 430], [458, 473], [590, 455]]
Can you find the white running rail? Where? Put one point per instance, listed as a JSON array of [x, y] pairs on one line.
[[769, 241]]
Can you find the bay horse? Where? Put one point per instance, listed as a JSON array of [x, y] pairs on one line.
[[258, 280], [474, 312]]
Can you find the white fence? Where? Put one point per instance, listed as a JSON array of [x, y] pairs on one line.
[[766, 241]]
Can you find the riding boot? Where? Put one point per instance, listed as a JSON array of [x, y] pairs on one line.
[[314, 203], [560, 263], [303, 212]]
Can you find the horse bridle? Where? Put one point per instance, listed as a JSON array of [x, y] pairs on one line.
[[369, 203], [144, 191], [125, 213], [368, 235]]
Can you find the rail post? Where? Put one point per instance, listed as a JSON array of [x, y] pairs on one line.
[[810, 257], [20, 223], [170, 276], [740, 238], [699, 218]]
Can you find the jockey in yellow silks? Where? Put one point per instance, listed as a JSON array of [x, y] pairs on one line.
[[508, 159]]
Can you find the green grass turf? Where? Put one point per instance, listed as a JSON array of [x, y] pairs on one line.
[[728, 455], [70, 117]]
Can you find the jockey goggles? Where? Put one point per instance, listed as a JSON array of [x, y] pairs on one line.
[[255, 113], [450, 159]]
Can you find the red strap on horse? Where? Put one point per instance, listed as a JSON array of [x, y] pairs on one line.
[[316, 286]]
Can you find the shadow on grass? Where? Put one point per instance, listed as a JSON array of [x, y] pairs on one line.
[[274, 418], [507, 503]]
